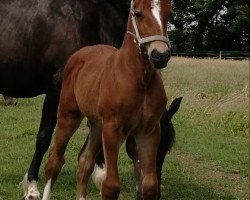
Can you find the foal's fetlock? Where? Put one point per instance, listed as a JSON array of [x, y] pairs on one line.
[[150, 189], [52, 169], [150, 193], [110, 190]]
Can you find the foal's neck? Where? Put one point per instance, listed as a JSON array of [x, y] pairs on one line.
[[133, 61]]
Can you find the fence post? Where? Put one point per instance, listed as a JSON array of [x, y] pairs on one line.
[[220, 55]]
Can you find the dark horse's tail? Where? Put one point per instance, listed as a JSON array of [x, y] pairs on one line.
[[167, 129], [167, 137]]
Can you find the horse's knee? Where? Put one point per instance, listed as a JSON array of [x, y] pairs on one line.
[[110, 190], [150, 188]]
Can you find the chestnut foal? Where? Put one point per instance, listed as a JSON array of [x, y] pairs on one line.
[[121, 93]]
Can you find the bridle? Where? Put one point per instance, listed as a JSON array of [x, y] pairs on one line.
[[141, 41]]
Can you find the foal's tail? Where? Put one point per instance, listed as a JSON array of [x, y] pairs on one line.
[[167, 128]]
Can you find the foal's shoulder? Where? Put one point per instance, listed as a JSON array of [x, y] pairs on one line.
[[95, 51], [103, 48], [99, 48]]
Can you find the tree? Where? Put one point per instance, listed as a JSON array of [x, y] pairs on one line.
[[182, 21], [210, 25]]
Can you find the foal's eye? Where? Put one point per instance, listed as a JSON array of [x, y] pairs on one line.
[[138, 14]]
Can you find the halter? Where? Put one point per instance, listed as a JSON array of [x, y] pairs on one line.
[[137, 38]]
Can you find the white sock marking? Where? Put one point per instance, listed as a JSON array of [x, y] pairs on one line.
[[98, 176], [47, 190], [30, 189]]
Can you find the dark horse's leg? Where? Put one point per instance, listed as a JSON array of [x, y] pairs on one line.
[[47, 125]]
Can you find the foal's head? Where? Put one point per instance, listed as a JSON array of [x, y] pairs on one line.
[[149, 28]]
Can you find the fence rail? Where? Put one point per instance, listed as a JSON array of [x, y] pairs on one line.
[[236, 55]]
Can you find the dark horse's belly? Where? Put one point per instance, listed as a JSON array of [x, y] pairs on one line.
[[35, 41], [37, 38], [21, 81]]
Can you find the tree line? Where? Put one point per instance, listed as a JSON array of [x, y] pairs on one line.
[[210, 25]]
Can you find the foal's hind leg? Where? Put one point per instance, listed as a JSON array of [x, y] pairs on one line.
[[86, 159], [147, 145], [68, 121], [133, 154]]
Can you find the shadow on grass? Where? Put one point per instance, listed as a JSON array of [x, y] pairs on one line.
[[175, 189], [179, 189], [65, 187]]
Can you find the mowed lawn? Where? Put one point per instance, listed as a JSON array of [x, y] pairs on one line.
[[210, 158]]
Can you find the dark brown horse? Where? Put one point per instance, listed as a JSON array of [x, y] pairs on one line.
[[121, 93]]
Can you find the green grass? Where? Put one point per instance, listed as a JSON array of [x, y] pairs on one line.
[[210, 159]]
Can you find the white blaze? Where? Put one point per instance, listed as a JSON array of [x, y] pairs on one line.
[[155, 7]]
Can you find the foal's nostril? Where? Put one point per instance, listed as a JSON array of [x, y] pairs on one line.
[[159, 59], [160, 56], [154, 53]]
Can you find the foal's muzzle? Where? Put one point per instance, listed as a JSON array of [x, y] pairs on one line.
[[159, 59]]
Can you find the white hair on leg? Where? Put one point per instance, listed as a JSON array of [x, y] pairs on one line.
[[24, 184], [98, 176], [30, 189], [82, 198], [47, 190]]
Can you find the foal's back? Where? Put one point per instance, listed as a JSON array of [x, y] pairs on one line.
[[84, 74]]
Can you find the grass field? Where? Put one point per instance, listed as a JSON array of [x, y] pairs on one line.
[[210, 159]]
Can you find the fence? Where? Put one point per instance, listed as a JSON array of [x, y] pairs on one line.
[[236, 55]]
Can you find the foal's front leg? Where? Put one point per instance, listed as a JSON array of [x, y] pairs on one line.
[[111, 143], [147, 145]]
